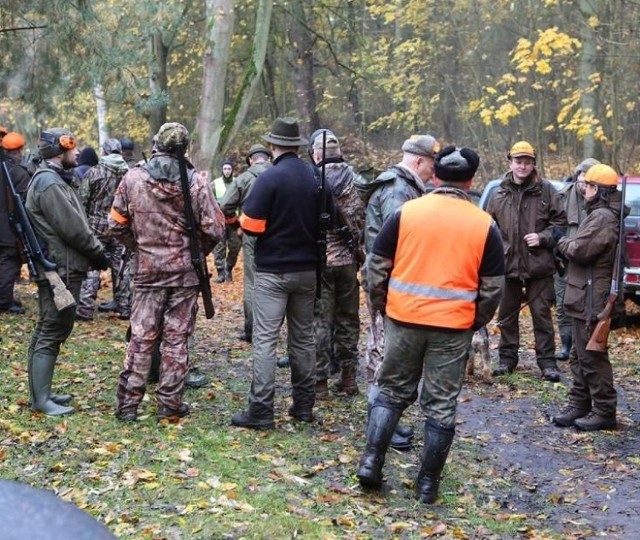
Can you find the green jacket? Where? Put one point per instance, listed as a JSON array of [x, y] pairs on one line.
[[60, 222]]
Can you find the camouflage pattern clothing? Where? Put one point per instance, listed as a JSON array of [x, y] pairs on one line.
[[382, 197], [97, 191], [148, 217], [337, 312], [231, 205]]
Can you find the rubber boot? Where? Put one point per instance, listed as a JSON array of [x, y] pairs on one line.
[[566, 340], [437, 443], [401, 439], [382, 424], [60, 399], [42, 366]]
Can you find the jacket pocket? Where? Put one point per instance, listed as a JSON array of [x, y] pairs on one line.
[[575, 296]]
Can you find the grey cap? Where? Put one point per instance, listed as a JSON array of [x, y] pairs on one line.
[[112, 146], [330, 139], [421, 145], [585, 165]]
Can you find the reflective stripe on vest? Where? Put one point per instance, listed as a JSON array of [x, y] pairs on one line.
[[434, 281]]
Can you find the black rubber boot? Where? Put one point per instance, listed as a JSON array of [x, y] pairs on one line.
[[437, 443], [382, 424], [59, 399], [40, 377]]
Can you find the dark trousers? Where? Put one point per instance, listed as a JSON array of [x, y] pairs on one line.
[[540, 293], [9, 267], [592, 387], [53, 326], [337, 319]]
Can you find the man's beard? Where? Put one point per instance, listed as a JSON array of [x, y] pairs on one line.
[[69, 161]]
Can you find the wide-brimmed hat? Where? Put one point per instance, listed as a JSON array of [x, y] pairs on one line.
[[285, 132]]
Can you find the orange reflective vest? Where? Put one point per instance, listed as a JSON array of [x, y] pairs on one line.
[[434, 281]]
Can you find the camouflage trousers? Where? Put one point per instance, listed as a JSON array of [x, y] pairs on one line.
[[121, 282], [225, 254], [438, 357], [337, 319], [375, 343], [167, 314]]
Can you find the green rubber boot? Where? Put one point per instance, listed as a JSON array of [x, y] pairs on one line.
[[40, 376], [59, 399]]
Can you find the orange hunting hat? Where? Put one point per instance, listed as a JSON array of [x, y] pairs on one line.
[[522, 148], [13, 141], [601, 175]]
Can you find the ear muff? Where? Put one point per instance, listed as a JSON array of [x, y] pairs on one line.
[[67, 142]]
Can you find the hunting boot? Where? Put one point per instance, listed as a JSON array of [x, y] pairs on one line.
[[322, 390], [402, 436], [59, 399], [566, 341], [347, 385], [40, 376], [595, 422], [382, 424], [437, 443], [567, 416], [195, 378]]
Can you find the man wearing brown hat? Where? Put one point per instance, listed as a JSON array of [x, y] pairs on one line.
[[436, 285], [283, 212], [10, 262], [259, 160], [400, 183], [529, 212]]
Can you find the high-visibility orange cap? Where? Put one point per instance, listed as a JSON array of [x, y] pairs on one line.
[[601, 175], [522, 148], [13, 141]]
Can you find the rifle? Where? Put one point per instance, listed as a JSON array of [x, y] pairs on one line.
[[199, 262], [30, 246], [323, 222], [600, 335]]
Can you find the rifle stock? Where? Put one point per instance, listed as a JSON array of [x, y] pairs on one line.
[[30, 246], [600, 335], [199, 262]]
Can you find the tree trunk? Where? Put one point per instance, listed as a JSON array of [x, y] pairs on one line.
[[588, 100], [158, 81], [101, 112], [302, 45], [251, 78], [220, 21]]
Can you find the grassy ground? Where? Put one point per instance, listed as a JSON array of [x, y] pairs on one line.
[[510, 475]]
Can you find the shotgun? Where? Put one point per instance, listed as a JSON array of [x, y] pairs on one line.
[[32, 252], [197, 259], [323, 221], [600, 335]]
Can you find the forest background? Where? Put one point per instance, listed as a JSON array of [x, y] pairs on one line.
[[482, 73]]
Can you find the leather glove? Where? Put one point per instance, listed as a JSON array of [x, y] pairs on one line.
[[100, 262]]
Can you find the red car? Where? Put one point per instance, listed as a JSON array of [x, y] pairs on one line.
[[632, 234]]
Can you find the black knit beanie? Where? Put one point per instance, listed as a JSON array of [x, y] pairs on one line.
[[456, 164]]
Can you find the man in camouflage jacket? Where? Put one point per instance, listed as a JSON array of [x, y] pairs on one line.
[[337, 318], [97, 191], [148, 217], [398, 184], [259, 160]]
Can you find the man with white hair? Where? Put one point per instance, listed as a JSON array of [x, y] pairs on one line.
[[400, 183]]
